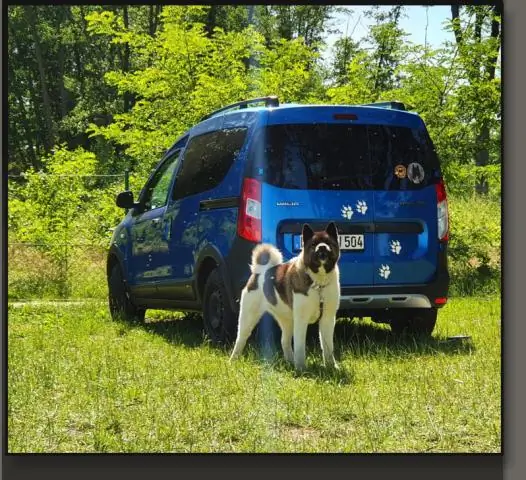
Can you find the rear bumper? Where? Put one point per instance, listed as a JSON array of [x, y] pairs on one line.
[[399, 296], [375, 301]]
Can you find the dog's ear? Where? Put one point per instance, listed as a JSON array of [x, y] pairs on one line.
[[307, 233], [332, 231]]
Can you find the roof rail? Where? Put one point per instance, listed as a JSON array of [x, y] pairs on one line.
[[391, 105], [271, 101]]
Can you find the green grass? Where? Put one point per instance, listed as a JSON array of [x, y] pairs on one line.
[[79, 382]]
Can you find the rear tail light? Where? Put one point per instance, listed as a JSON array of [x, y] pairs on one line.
[[249, 220], [440, 301], [442, 211]]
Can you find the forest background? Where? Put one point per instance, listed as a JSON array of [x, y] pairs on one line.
[[96, 94]]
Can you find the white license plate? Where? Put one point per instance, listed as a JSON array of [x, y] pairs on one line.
[[347, 242]]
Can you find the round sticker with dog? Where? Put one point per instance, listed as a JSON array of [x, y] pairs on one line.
[[400, 171], [415, 172]]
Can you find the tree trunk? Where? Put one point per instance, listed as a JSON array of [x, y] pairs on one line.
[[49, 135], [62, 88], [128, 99], [155, 11], [248, 62], [35, 161], [63, 102], [483, 138], [455, 16], [495, 34], [151, 21], [211, 20]]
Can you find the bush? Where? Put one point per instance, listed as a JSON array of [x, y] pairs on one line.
[[35, 273], [474, 246]]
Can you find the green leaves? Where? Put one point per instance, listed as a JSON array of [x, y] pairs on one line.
[[186, 73]]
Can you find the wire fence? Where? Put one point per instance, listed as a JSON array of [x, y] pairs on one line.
[[59, 229]]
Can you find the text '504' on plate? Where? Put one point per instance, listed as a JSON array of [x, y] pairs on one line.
[[347, 242]]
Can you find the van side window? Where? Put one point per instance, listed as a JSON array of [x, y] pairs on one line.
[[207, 160], [156, 194]]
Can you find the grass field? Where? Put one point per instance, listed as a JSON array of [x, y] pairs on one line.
[[79, 382]]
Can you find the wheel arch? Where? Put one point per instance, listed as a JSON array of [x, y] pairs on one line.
[[115, 257], [209, 259]]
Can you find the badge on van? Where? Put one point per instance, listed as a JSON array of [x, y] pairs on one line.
[[415, 172], [400, 171]]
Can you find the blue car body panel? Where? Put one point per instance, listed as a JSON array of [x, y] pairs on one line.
[[356, 268]]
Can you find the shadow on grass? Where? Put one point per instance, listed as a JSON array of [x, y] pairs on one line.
[[359, 338], [351, 338]]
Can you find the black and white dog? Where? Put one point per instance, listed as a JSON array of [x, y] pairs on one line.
[[297, 293]]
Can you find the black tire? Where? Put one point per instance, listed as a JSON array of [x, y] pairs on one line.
[[416, 322], [121, 307], [219, 321]]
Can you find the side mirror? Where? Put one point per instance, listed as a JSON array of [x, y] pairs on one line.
[[125, 200]]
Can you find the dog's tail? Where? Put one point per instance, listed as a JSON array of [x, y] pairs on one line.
[[265, 256]]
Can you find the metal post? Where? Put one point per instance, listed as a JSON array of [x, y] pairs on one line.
[[126, 181], [66, 253]]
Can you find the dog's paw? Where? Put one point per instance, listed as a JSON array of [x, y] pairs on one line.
[[331, 364], [395, 246], [361, 206], [347, 212], [385, 271], [299, 367]]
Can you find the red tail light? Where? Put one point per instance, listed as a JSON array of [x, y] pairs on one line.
[[345, 116], [442, 211], [249, 219]]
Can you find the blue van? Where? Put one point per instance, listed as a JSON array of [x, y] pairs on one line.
[[256, 171]]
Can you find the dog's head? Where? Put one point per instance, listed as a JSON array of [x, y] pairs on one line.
[[320, 249]]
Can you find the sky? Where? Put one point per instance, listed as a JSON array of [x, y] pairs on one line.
[[414, 24]]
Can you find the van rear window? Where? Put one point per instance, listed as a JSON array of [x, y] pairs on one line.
[[339, 156]]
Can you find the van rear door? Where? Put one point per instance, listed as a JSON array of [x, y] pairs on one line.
[[314, 168], [405, 170]]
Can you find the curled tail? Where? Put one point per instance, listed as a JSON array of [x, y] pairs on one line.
[[265, 256]]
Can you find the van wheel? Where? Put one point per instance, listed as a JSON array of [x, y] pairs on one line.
[[218, 318], [121, 307], [420, 321]]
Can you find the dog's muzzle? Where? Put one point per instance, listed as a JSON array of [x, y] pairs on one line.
[[322, 252]]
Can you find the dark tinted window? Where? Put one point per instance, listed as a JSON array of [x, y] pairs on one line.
[[317, 157], [340, 157], [412, 149], [207, 160]]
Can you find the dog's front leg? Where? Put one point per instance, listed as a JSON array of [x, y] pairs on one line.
[[326, 328], [327, 324], [301, 322], [286, 339]]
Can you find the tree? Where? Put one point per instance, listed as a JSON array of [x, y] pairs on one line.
[[478, 44], [386, 40]]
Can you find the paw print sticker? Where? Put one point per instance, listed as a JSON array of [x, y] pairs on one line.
[[361, 206], [385, 271], [395, 246], [347, 212]]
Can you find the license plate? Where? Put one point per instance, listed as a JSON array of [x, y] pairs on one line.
[[347, 242]]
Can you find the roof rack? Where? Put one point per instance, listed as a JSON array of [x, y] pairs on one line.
[[391, 105], [271, 101]]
